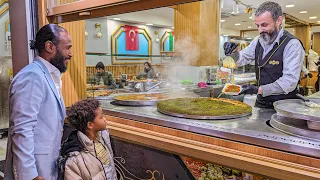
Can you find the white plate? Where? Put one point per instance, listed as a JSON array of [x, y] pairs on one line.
[[231, 93]]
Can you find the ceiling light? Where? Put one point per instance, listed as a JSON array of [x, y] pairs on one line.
[[293, 30], [172, 27], [225, 35], [149, 24], [318, 21], [249, 27], [249, 38], [303, 12], [222, 20], [117, 19], [238, 24], [313, 17], [289, 5]]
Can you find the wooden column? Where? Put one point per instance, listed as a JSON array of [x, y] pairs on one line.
[[75, 78], [209, 32], [303, 34], [197, 28], [316, 42], [186, 30]]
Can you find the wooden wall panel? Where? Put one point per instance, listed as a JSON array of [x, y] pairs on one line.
[[200, 22], [303, 34], [186, 29], [209, 32], [74, 79], [130, 70], [316, 42]]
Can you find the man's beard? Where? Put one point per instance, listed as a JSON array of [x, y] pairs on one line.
[[58, 62], [269, 38]]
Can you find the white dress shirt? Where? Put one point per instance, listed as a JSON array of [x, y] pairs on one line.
[[55, 75]]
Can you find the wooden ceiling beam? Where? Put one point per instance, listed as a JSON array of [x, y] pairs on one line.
[[74, 11]]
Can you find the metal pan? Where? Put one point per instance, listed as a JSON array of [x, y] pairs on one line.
[[294, 127], [204, 117], [296, 108], [136, 102]]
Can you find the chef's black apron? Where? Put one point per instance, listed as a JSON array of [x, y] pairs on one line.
[[269, 69]]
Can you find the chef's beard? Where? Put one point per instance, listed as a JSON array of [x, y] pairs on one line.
[[58, 62], [269, 38]]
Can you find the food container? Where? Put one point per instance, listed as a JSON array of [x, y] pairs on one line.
[[228, 85]]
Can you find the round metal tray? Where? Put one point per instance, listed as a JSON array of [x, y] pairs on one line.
[[136, 102], [296, 127], [204, 117], [295, 108]]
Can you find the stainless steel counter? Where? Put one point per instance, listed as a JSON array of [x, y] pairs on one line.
[[250, 130]]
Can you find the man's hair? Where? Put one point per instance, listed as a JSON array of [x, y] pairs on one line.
[[100, 65], [272, 7], [49, 32], [82, 112]]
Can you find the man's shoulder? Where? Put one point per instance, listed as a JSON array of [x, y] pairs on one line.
[[31, 70]]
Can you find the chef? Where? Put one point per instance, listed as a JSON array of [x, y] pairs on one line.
[[277, 54]]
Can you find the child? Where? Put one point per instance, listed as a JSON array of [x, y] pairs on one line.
[[87, 153]]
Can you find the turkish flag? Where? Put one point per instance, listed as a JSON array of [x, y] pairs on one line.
[[132, 37]]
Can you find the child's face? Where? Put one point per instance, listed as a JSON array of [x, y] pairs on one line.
[[100, 122]]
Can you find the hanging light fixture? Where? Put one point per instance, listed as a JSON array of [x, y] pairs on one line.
[[235, 7]]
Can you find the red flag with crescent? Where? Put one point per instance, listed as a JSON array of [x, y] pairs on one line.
[[132, 37]]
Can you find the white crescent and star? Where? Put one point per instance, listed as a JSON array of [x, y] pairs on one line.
[[134, 34]]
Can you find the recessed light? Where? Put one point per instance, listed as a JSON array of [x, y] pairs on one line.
[[303, 12], [249, 27], [238, 24], [149, 24], [313, 17], [290, 5], [249, 38], [222, 20], [117, 19]]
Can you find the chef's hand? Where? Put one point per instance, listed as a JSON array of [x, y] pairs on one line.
[[310, 75], [249, 89], [229, 48]]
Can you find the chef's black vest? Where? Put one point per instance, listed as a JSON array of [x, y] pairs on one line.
[[269, 69]]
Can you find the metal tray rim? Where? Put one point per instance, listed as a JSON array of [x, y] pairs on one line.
[[290, 114], [204, 117]]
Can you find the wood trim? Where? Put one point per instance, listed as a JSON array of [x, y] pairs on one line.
[[63, 8], [42, 13], [70, 12], [250, 158]]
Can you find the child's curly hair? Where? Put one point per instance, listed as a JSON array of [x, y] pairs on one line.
[[82, 112]]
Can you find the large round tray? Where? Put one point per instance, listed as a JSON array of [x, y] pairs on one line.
[[296, 127], [204, 117], [136, 102], [295, 108]]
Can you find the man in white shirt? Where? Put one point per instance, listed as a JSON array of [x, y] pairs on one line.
[[37, 110], [277, 54]]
